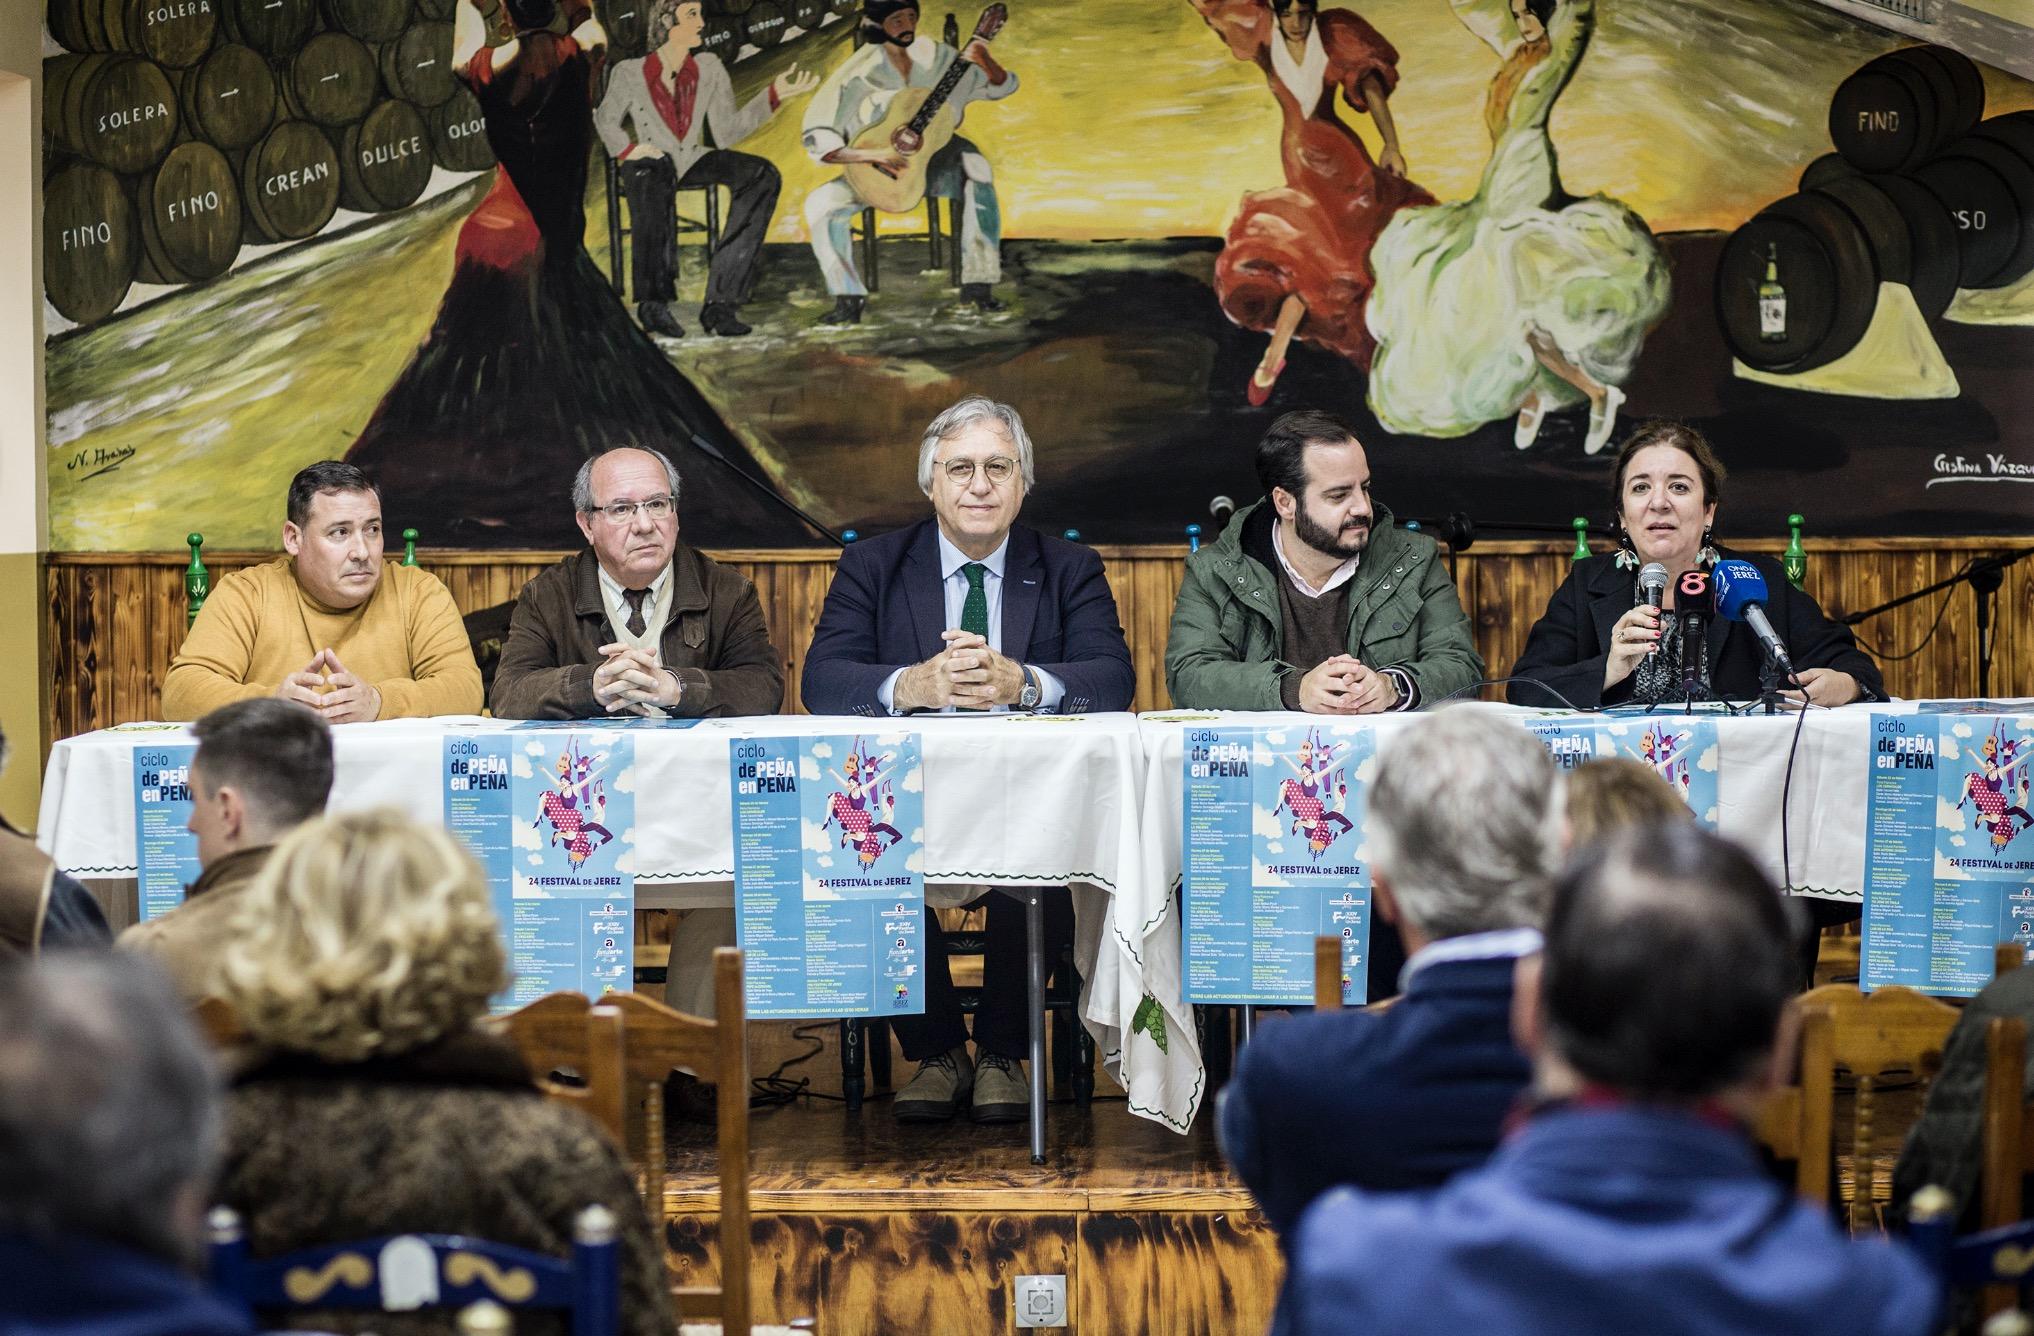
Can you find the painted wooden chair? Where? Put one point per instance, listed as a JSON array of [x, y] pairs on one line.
[[410, 1271]]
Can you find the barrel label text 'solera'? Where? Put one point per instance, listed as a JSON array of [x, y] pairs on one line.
[[129, 116], [186, 10]]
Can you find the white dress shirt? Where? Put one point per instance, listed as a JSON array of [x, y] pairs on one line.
[[953, 584]]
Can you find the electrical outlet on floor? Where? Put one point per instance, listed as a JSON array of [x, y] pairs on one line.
[[1040, 1301]]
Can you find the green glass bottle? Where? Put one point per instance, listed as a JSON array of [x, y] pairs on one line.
[[1581, 552], [1795, 559], [409, 547], [197, 580]]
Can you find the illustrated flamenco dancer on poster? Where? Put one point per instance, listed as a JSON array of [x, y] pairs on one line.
[[1295, 260]]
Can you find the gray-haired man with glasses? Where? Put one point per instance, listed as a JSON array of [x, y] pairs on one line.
[[969, 610], [640, 622]]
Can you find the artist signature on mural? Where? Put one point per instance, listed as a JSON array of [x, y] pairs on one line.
[[99, 459], [1989, 467]]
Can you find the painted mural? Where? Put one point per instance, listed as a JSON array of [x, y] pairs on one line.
[[465, 243]]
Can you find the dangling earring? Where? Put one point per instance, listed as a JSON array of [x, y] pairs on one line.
[[1707, 556], [1627, 555]]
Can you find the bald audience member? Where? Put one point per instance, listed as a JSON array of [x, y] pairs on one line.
[[1631, 1196], [109, 1135], [640, 622], [263, 768]]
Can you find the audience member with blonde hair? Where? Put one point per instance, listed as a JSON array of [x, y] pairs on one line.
[[1613, 792], [359, 962]]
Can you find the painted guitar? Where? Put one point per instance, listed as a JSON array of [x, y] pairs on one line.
[[918, 124]]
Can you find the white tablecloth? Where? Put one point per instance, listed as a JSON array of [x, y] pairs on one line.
[[1010, 800], [1091, 801]]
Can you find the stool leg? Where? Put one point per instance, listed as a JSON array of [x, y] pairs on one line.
[[1246, 1025], [878, 1043], [712, 220], [931, 232], [852, 1083], [869, 249], [1034, 988], [953, 253]]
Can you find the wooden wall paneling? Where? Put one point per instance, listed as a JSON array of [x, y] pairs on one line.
[[116, 620], [876, 1273], [1193, 1273]]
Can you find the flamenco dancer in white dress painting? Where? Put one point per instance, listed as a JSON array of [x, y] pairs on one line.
[[1522, 298]]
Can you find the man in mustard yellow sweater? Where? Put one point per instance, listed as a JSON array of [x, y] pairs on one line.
[[331, 625]]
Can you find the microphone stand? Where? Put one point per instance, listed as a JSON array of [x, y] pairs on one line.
[[713, 452], [1985, 576]]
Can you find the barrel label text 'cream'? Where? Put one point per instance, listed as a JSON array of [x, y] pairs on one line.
[[285, 182]]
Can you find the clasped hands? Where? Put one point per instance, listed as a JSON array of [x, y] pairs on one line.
[[967, 675], [1346, 685], [326, 686], [632, 681]]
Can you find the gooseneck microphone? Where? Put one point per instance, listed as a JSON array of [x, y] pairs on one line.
[[1691, 602], [1741, 597]]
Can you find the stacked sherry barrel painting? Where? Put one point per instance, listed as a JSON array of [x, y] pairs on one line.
[[182, 130], [1921, 191]]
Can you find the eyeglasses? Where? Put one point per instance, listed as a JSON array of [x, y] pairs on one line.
[[961, 472], [654, 508]]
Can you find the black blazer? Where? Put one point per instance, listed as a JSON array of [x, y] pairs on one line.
[[1570, 643], [885, 610]]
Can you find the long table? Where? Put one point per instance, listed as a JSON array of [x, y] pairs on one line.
[[1088, 801]]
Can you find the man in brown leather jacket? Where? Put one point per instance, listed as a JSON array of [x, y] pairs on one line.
[[640, 622], [41, 907]]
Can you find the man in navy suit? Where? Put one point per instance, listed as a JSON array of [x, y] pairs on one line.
[[1631, 1197], [969, 610], [1463, 826]]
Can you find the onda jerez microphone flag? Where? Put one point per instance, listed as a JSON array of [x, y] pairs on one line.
[[1741, 597]]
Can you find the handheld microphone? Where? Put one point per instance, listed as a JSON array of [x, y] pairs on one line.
[[1741, 597], [1691, 602], [1652, 582], [1219, 510]]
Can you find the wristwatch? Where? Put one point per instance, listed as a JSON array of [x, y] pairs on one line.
[[1028, 698]]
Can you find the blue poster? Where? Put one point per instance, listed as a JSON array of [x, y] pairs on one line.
[[1681, 750], [165, 851], [1949, 849], [1270, 859], [829, 837], [551, 817]]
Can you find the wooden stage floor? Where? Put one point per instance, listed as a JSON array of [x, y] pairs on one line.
[[876, 1227]]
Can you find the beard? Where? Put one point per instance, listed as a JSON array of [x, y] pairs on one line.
[[1343, 543]]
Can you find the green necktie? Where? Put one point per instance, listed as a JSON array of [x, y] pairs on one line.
[[975, 611]]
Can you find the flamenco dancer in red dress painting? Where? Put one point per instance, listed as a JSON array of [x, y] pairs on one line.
[[532, 363], [1296, 261]]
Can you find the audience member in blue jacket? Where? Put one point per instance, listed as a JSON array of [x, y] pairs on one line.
[[1633, 1199], [109, 1125], [1409, 1096]]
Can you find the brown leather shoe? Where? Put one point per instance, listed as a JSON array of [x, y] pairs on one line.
[[936, 1093], [1001, 1093]]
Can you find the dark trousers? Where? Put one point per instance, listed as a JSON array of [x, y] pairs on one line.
[[1003, 1021], [652, 185]]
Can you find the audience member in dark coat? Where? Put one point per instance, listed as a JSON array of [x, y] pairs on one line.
[[109, 1129], [1633, 1199], [1409, 1096]]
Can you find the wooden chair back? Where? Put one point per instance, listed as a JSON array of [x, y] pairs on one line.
[[219, 1023], [565, 1032], [1782, 1127], [657, 1041], [1327, 974], [1872, 1036]]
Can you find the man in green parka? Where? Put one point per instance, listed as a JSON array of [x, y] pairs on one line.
[[1313, 599]]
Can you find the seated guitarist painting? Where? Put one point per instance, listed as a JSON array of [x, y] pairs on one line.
[[854, 97]]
